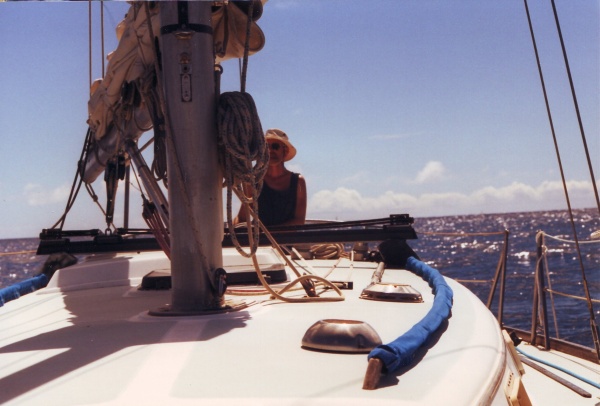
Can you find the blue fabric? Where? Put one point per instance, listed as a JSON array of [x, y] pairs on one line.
[[401, 351], [22, 288]]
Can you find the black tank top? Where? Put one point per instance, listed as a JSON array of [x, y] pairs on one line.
[[278, 206]]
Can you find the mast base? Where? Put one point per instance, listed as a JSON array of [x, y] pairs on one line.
[[229, 307]]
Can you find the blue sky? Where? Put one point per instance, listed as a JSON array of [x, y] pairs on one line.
[[422, 107]]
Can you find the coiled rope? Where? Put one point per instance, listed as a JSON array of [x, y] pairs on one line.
[[306, 280], [242, 142], [328, 251], [245, 157]]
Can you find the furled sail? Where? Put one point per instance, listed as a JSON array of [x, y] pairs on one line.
[[117, 109]]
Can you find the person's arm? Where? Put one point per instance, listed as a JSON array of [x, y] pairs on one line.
[[241, 217]]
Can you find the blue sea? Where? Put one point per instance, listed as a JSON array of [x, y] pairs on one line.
[[459, 247]]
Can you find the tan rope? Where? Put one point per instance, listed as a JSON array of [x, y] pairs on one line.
[[328, 251], [300, 278], [473, 280], [262, 291], [461, 234], [556, 292], [333, 267], [556, 238], [246, 48], [17, 253]]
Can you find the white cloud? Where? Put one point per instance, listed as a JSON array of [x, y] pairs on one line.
[[36, 195], [545, 195], [349, 201], [432, 172], [345, 203], [356, 178]]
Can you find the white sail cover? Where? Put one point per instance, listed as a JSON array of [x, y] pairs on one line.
[[134, 60]]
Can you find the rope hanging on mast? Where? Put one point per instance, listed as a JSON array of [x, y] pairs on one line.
[[242, 142], [156, 225], [246, 48]]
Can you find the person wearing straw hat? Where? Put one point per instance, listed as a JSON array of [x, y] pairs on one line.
[[282, 200]]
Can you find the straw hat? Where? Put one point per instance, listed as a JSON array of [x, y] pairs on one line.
[[276, 134]]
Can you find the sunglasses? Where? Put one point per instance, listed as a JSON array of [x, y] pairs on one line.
[[275, 146]]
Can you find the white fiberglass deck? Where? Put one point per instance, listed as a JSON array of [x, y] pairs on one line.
[[77, 342]]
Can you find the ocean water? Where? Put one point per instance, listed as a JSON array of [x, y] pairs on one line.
[[473, 258], [459, 247]]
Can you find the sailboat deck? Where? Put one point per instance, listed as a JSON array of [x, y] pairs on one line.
[[82, 343]]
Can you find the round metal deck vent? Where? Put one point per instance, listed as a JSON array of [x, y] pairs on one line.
[[335, 335]]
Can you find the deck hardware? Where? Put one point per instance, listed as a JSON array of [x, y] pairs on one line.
[[184, 29], [515, 392], [397, 292], [344, 285], [221, 281], [157, 280], [185, 72], [361, 251], [392, 292], [337, 335], [395, 252]]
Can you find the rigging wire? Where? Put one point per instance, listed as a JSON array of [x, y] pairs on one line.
[[540, 264], [90, 40], [246, 47], [594, 325], [90, 44], [576, 105], [148, 90], [89, 139], [241, 142], [153, 219], [77, 181], [102, 36]]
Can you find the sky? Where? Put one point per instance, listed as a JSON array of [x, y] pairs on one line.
[[424, 107]]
